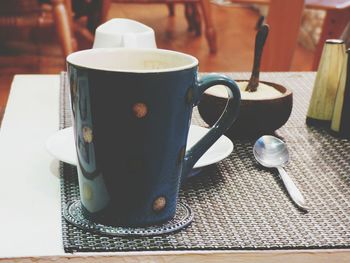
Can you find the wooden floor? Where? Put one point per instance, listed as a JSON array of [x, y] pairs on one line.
[[39, 53]]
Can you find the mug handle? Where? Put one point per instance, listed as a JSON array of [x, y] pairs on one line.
[[225, 121]]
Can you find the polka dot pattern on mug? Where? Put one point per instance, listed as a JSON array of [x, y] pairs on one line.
[[87, 134], [159, 204], [140, 110]]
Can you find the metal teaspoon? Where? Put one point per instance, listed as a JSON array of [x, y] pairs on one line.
[[272, 152]]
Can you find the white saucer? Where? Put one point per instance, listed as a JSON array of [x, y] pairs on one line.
[[61, 146]]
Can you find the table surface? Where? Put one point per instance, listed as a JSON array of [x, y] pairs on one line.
[[30, 222], [313, 4]]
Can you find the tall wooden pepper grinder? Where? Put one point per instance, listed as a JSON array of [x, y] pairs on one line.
[[341, 114], [326, 84]]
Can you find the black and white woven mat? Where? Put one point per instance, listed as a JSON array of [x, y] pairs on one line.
[[237, 204]]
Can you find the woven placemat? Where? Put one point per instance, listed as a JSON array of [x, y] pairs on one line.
[[240, 205]]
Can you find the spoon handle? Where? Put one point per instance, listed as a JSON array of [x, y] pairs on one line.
[[292, 189], [259, 45]]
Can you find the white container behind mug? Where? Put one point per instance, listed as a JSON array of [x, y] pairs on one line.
[[121, 32]]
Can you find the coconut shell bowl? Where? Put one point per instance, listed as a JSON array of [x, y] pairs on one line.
[[259, 113]]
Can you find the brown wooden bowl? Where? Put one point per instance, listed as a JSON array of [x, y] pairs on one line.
[[256, 117]]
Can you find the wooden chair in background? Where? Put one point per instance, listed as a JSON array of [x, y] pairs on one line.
[[284, 19], [336, 20], [17, 14]]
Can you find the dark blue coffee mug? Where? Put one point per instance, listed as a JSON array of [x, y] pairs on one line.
[[132, 110]]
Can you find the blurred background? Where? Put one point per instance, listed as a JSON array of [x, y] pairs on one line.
[[36, 35]]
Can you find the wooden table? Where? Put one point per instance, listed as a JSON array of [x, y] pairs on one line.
[[30, 221]]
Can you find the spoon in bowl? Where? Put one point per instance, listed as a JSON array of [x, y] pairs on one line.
[[260, 40], [272, 152]]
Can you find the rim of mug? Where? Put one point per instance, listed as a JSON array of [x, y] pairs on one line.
[[73, 56]]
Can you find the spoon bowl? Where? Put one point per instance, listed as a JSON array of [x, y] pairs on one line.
[[272, 152]]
